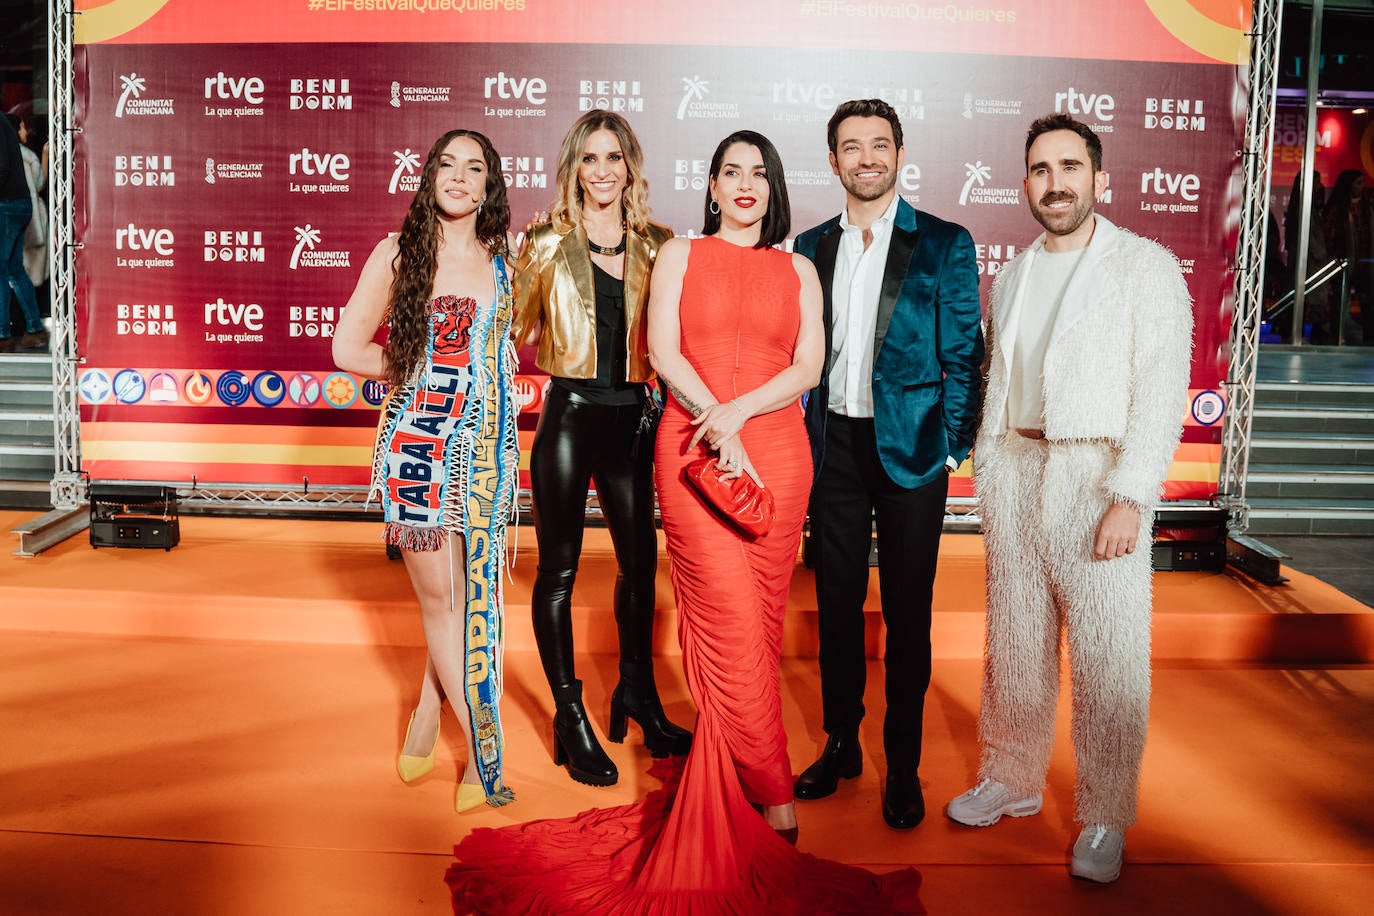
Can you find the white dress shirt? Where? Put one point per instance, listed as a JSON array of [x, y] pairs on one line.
[[854, 312]]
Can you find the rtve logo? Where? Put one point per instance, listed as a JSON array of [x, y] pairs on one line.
[[532, 89], [132, 238], [1099, 106], [334, 165], [247, 88]]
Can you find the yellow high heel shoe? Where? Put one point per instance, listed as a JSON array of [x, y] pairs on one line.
[[469, 796], [412, 766]]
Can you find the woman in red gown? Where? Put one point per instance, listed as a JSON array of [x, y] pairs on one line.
[[735, 333]]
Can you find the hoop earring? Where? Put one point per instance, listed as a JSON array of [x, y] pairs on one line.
[[714, 207]]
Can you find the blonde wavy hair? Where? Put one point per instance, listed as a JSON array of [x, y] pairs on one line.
[[566, 213]]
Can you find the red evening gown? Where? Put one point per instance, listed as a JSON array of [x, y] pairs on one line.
[[698, 847]]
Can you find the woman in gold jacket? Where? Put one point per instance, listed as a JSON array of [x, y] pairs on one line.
[[581, 286]]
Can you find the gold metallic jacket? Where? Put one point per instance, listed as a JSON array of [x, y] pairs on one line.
[[553, 282]]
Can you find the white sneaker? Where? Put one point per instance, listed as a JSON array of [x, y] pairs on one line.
[[985, 803], [1097, 854]]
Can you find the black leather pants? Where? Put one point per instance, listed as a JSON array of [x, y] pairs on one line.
[[578, 443]]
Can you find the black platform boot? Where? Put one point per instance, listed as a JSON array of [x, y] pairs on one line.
[[636, 697], [574, 743]]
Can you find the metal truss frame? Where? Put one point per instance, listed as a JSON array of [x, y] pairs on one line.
[[1262, 78], [69, 484], [68, 488]]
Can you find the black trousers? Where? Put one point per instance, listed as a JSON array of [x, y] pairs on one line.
[[579, 442], [851, 492]]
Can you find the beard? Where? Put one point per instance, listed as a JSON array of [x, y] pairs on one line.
[[1061, 222], [868, 190]]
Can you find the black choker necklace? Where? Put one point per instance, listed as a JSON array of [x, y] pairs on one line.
[[610, 252]]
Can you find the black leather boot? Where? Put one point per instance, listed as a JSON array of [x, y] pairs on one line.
[[904, 805], [842, 757], [574, 743], [636, 697]]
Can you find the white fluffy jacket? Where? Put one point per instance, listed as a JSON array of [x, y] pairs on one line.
[[1117, 363]]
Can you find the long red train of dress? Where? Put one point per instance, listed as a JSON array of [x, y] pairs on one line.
[[698, 847]]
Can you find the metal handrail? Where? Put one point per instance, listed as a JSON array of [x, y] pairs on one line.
[[1323, 275]]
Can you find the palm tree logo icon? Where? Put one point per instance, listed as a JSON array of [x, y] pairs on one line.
[[133, 85], [406, 163], [305, 238], [977, 172], [694, 88]]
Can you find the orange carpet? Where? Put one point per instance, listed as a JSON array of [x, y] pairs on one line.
[[213, 729]]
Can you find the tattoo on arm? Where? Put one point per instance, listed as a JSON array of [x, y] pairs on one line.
[[693, 407]]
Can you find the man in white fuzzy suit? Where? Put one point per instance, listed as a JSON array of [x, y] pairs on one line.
[[1089, 336]]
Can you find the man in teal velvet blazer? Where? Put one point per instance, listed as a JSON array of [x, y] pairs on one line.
[[893, 415]]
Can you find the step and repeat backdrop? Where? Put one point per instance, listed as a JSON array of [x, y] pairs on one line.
[[236, 162]]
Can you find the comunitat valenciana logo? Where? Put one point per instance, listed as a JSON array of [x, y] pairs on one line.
[[695, 104], [405, 177], [978, 188], [307, 253], [136, 101]]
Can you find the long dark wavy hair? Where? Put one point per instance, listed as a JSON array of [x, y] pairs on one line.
[[417, 257]]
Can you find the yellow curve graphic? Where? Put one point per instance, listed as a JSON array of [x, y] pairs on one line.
[[1224, 43], [101, 23]]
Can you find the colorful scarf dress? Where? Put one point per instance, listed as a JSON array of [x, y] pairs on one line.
[[446, 461]]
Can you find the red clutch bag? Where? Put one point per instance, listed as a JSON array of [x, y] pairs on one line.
[[742, 502]]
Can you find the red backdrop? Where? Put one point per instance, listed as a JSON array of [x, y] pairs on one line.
[[237, 162]]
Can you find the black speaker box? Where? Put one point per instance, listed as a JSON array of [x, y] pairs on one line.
[[134, 516]]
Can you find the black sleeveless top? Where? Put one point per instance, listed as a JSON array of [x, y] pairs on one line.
[[609, 387]]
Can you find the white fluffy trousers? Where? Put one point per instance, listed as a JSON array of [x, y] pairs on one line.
[[1040, 503]]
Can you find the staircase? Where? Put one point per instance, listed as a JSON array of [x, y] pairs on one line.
[[1312, 458], [26, 430]]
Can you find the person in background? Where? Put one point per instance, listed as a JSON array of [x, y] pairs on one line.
[[36, 235], [1348, 225], [16, 211]]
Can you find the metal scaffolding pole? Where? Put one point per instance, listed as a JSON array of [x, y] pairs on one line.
[[68, 488], [1249, 291]]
